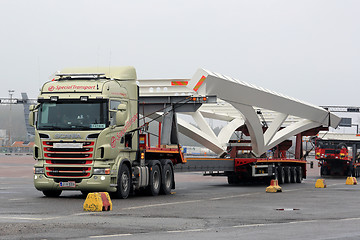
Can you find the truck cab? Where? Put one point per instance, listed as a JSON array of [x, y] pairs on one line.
[[83, 130]]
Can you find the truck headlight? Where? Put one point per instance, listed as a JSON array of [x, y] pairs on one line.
[[38, 170], [101, 171]]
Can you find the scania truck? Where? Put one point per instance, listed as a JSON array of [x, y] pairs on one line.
[[87, 135], [91, 134]]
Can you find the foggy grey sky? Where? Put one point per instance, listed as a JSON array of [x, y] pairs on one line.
[[304, 49]]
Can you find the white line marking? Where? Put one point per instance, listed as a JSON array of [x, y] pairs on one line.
[[162, 204], [114, 235], [295, 222], [348, 219], [252, 225], [190, 201], [189, 230], [29, 218]]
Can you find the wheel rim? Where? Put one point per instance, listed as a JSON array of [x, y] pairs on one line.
[[124, 182], [156, 179], [168, 179], [288, 176], [282, 175]]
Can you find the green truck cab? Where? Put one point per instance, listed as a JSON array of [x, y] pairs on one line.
[[85, 136]]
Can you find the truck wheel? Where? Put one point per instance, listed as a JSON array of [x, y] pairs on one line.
[[293, 175], [52, 193], [299, 176], [324, 171], [281, 175], [231, 179], [287, 174], [123, 183], [167, 179], [155, 180]]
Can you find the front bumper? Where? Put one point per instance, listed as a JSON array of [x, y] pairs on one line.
[[100, 183]]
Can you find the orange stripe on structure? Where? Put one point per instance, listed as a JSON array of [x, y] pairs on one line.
[[179, 83], [200, 82]]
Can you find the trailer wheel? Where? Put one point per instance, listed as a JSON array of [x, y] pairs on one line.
[[124, 183], [155, 180], [281, 175], [293, 174], [52, 193], [232, 179], [324, 171], [167, 179], [287, 174], [299, 176]]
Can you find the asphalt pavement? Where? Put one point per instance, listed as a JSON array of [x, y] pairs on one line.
[[201, 207]]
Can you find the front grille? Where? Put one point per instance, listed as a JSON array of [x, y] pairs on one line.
[[60, 161], [72, 150], [67, 155], [68, 171], [68, 159]]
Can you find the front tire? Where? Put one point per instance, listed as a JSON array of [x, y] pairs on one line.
[[52, 193], [85, 193], [123, 183]]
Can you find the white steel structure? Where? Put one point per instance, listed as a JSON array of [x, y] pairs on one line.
[[238, 104], [340, 136]]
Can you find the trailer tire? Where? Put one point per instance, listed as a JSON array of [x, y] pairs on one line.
[[299, 176], [287, 174], [281, 175], [155, 180], [52, 193], [167, 179], [123, 183], [293, 174], [232, 180], [324, 171]]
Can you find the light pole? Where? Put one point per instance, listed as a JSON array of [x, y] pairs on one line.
[[11, 92]]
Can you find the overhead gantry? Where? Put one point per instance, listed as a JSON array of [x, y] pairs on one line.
[[240, 103]]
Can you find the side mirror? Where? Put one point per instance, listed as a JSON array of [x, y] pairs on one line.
[[31, 115], [121, 115]]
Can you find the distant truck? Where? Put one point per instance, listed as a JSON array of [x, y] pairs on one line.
[[87, 136], [333, 158]]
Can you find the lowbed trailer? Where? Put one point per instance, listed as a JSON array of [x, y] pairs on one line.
[[239, 165], [239, 170]]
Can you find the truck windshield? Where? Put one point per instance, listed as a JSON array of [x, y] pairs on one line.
[[72, 116]]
